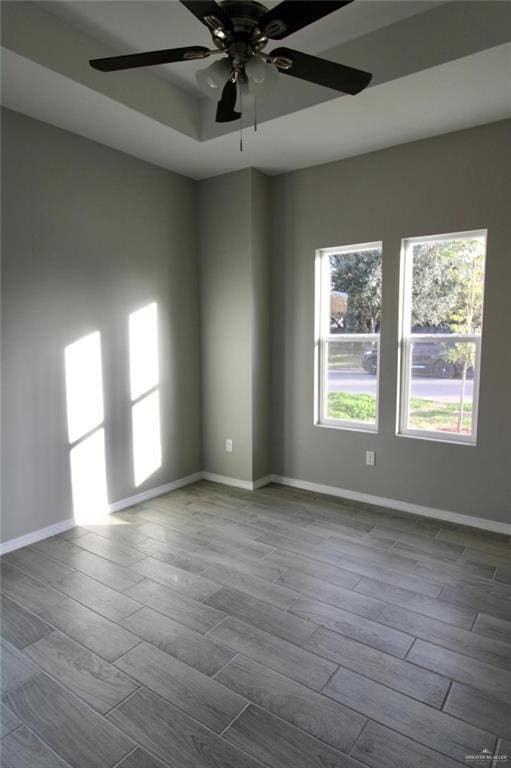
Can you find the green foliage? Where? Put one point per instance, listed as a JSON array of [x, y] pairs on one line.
[[359, 276], [351, 407], [438, 416], [433, 415], [447, 285]]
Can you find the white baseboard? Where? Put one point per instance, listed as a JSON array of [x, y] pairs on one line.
[[247, 485], [65, 525], [401, 506], [138, 498], [262, 481], [31, 538], [329, 490]]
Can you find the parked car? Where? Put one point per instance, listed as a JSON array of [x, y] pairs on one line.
[[428, 357]]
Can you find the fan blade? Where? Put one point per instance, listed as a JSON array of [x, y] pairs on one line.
[[225, 111], [150, 58], [292, 15], [209, 13], [320, 71]]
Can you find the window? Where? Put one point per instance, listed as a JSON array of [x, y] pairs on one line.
[[348, 317], [442, 295]]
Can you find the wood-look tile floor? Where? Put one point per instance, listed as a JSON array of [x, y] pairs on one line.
[[218, 628]]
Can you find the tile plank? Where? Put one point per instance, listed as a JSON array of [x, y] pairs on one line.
[[72, 729], [481, 709], [411, 718], [428, 606], [22, 749], [20, 627], [88, 676], [364, 630], [183, 609], [182, 581], [179, 641], [379, 747], [331, 573], [139, 758], [468, 643], [167, 732], [108, 602], [91, 630], [26, 591], [8, 721], [472, 672], [110, 549], [277, 744], [15, 668], [203, 698], [114, 576], [244, 582], [494, 627], [331, 593], [418, 683], [317, 715], [275, 653], [261, 615]]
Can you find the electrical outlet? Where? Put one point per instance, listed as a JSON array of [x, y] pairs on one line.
[[370, 459], [228, 444]]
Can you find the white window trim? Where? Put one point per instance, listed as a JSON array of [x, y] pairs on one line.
[[406, 338], [322, 338]]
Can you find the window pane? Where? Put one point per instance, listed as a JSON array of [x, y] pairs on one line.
[[355, 291], [84, 386], [447, 286], [351, 381], [143, 326], [442, 386]]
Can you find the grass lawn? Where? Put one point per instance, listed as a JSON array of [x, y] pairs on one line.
[[424, 414]]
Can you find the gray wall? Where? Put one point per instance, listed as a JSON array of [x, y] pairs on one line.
[[89, 236], [235, 333], [455, 182]]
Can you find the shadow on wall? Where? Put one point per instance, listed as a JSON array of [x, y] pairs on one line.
[[86, 417]]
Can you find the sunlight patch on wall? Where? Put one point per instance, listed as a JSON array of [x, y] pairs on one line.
[[85, 415], [84, 386], [144, 380], [88, 479], [146, 437], [143, 329]]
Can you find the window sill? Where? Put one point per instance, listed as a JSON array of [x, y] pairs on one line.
[[346, 427], [432, 438]]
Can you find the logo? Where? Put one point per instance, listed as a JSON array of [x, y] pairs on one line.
[[486, 756]]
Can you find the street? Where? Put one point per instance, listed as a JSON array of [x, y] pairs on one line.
[[447, 390]]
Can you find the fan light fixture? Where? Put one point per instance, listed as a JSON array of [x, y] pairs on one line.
[[241, 30], [211, 80]]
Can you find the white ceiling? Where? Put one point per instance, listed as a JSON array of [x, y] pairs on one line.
[[438, 67], [129, 26]]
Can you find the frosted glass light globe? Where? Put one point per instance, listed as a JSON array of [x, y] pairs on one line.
[[211, 80], [261, 76]]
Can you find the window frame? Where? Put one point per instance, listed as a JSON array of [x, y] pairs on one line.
[[322, 338], [407, 338]]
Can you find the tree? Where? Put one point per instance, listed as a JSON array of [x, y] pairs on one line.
[[467, 318], [448, 293], [358, 275]]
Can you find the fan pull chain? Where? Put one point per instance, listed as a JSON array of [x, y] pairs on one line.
[[240, 96], [255, 114]]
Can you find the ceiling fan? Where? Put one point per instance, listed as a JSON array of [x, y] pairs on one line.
[[241, 29]]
